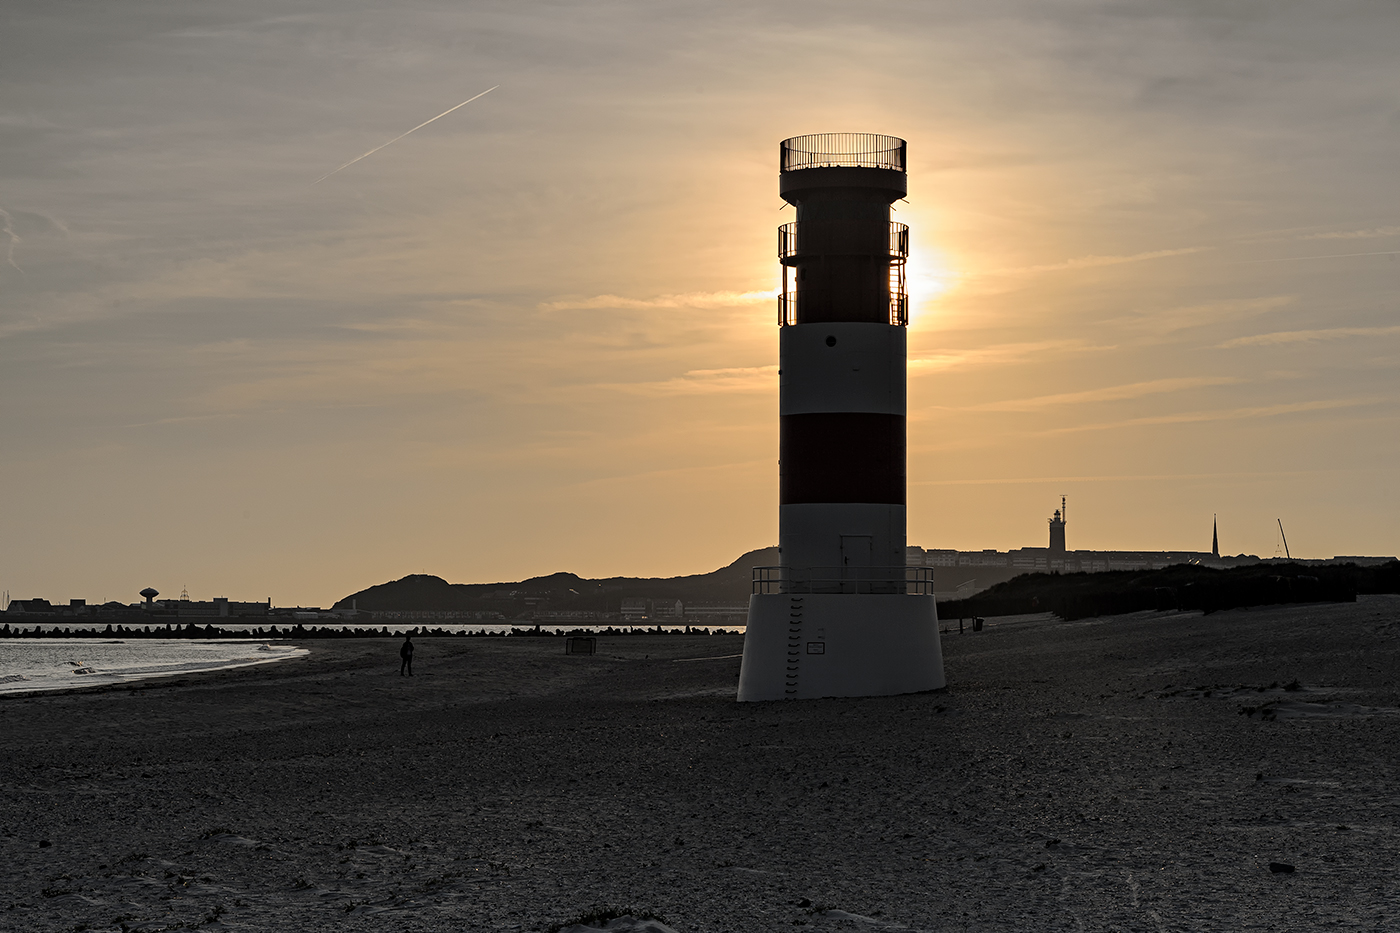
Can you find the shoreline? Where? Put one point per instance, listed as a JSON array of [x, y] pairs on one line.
[[122, 681]]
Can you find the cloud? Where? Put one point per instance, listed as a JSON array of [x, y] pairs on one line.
[[1107, 394], [1354, 234], [1306, 336], [1090, 262], [997, 355], [1227, 414], [25, 121], [1118, 478], [1251, 262], [739, 466], [686, 300], [1170, 320], [707, 381]]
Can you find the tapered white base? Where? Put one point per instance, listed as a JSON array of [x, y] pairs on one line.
[[805, 646]]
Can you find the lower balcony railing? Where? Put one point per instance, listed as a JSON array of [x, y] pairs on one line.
[[910, 581]]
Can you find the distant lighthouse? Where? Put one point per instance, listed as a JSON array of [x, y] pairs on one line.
[[1057, 530], [842, 615]]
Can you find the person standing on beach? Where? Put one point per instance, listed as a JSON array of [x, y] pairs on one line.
[[406, 653]]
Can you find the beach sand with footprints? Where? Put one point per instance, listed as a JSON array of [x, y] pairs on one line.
[[1159, 771]]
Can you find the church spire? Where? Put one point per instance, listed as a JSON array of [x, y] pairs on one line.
[[1214, 539]]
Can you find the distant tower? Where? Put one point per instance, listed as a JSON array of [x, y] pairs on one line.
[[1214, 538], [1057, 529], [841, 616], [150, 593]]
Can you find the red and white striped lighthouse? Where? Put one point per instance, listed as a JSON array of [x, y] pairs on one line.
[[842, 615]]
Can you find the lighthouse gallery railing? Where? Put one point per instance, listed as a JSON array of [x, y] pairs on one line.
[[842, 150]]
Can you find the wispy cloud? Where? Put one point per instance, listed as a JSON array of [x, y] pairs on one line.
[[703, 469], [1170, 320], [685, 300], [999, 354], [1306, 336], [1090, 262], [1252, 262], [1107, 393], [1120, 478], [707, 381], [1225, 414], [1354, 234]]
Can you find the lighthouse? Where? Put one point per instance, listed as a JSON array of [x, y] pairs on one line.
[[1057, 530], [841, 615]]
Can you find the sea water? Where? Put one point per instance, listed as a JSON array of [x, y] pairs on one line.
[[61, 663]]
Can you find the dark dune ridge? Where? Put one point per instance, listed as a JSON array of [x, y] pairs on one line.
[[1157, 771], [1181, 586], [564, 590]]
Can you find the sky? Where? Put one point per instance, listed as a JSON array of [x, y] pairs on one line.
[[1153, 270]]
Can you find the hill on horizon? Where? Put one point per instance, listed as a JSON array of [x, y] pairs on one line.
[[561, 591]]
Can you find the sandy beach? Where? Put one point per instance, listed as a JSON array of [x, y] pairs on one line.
[[1132, 773]]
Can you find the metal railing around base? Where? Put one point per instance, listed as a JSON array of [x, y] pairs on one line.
[[909, 581]]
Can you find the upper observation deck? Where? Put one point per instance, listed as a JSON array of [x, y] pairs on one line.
[[843, 150], [851, 161]]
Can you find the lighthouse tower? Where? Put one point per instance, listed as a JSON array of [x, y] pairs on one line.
[[1057, 530], [842, 615]]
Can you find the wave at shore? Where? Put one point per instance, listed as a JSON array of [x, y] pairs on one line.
[[65, 663]]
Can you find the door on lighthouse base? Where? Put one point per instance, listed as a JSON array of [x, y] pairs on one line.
[[856, 554]]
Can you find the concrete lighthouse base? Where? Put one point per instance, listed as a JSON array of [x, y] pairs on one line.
[[804, 646]]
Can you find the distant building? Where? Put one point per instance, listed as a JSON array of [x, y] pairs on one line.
[[988, 558], [29, 607], [219, 608], [940, 557], [716, 613], [667, 609]]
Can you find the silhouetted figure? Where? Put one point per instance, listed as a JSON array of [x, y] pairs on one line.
[[406, 653]]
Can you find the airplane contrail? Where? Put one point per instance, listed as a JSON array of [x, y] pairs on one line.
[[402, 135]]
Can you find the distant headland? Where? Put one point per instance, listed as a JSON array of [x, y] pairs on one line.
[[969, 583]]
